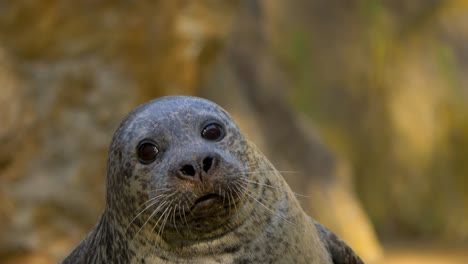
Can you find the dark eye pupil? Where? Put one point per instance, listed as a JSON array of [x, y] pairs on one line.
[[212, 132], [147, 152]]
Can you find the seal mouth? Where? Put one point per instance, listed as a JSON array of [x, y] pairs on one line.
[[206, 203], [206, 198]]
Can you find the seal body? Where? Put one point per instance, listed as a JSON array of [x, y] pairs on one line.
[[185, 186]]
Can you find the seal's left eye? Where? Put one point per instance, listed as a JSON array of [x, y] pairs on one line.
[[213, 132], [147, 152]]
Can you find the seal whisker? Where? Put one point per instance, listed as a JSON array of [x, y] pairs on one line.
[[159, 219], [262, 166], [174, 217], [181, 213], [134, 218], [190, 211], [266, 171], [261, 184], [185, 217], [157, 197], [163, 214], [161, 229], [239, 194], [237, 188], [160, 190], [229, 203], [151, 216], [152, 201], [233, 200], [224, 198], [269, 209], [272, 186]]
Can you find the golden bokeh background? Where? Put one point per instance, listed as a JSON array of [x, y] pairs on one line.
[[366, 100]]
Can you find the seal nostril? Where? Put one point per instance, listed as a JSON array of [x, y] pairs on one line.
[[188, 170], [207, 163]]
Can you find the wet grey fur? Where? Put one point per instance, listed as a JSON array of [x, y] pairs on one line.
[[153, 216]]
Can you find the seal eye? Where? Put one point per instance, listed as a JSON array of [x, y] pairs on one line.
[[212, 132], [147, 152]]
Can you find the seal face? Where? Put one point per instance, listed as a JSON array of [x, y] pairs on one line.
[[185, 186], [183, 169]]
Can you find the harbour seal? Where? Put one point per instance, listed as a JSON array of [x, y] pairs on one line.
[[185, 186]]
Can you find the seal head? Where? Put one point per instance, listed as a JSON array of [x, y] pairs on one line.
[[175, 167]]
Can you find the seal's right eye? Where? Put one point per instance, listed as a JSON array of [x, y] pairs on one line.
[[147, 152]]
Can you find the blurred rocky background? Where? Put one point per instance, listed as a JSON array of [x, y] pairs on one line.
[[365, 100]]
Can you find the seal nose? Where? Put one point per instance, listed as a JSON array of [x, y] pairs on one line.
[[198, 169]]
